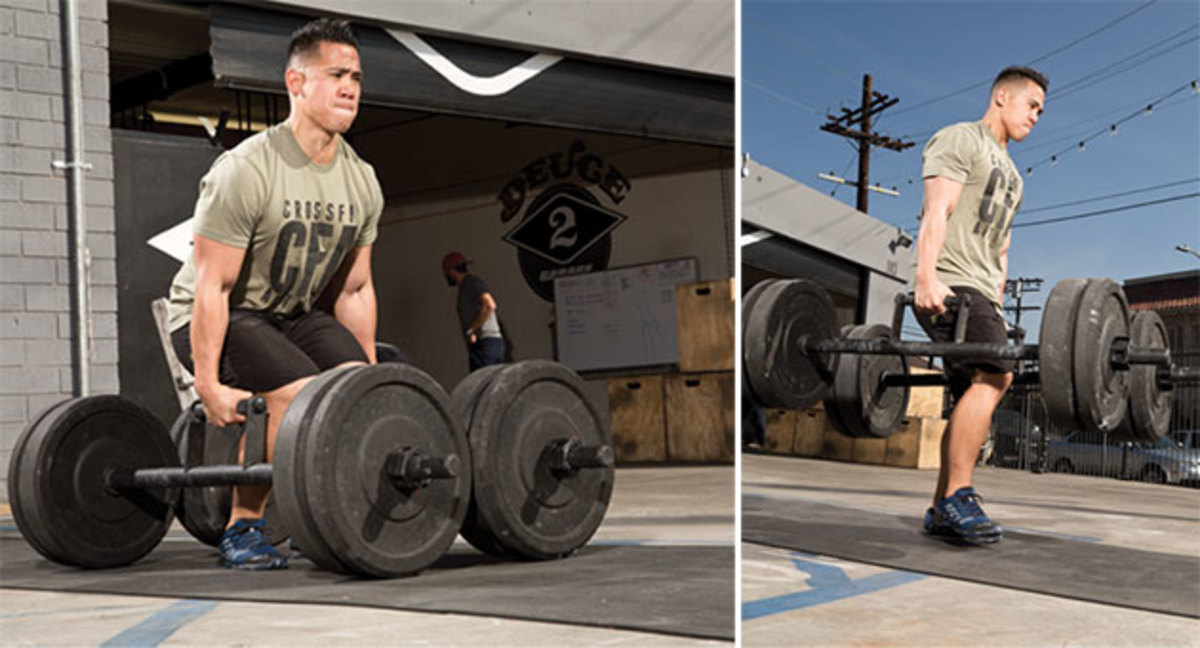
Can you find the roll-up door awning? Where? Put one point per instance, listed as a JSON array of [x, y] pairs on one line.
[[403, 69]]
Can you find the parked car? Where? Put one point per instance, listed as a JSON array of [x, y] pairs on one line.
[[1175, 459]]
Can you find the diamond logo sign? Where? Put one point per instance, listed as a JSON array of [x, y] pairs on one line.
[[563, 227]]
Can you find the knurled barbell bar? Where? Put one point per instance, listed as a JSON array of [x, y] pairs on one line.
[[366, 473], [1089, 351]]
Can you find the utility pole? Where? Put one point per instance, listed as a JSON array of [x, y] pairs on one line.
[[872, 104], [1016, 288]]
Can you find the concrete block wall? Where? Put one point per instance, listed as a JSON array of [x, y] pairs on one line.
[[35, 312]]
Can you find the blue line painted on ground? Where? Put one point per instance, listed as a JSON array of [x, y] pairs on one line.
[[828, 583], [8, 527], [162, 624]]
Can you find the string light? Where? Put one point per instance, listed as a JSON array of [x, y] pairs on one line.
[[1053, 160], [1112, 130], [1149, 109], [1082, 144]]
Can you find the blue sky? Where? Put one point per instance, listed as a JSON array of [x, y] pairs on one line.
[[802, 60]]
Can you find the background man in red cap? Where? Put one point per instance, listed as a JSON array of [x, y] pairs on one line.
[[476, 313]]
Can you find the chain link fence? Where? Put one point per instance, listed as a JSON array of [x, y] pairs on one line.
[[1023, 438]]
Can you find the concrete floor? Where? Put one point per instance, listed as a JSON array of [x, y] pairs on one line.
[[893, 607], [679, 506]]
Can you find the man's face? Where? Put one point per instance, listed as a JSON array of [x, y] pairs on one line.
[[331, 86], [1022, 104]]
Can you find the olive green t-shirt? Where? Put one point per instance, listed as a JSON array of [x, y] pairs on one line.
[[978, 227], [295, 218]]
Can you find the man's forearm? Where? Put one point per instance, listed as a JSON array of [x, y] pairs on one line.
[[210, 321], [356, 311], [481, 317], [929, 244]]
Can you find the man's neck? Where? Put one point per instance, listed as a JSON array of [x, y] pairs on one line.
[[996, 125], [318, 144]]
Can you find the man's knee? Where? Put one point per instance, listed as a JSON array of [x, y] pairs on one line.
[[283, 396], [994, 383]]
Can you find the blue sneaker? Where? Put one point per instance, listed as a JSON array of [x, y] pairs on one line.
[[935, 525], [963, 517], [244, 546]]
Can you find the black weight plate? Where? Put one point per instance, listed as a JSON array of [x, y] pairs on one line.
[[779, 373], [1101, 392], [463, 402], [830, 404], [880, 409], [288, 479], [372, 526], [1056, 348], [62, 493], [204, 511], [14, 483], [748, 301], [531, 510], [863, 407], [1149, 406]]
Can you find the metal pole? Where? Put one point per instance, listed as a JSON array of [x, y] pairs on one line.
[[75, 167]]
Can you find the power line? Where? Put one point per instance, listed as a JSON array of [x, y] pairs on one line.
[[1061, 219], [776, 95], [1194, 85], [1115, 195], [1040, 58], [1130, 62], [800, 48]]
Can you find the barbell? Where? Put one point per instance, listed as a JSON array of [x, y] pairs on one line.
[[372, 471], [1099, 369]]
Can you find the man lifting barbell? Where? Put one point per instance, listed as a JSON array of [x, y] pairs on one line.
[[972, 193], [283, 220]]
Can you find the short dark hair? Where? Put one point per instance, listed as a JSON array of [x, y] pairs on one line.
[[308, 39], [1020, 72]]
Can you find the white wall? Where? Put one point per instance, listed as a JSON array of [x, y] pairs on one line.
[[442, 177], [692, 35]]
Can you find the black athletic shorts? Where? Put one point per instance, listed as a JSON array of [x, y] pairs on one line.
[[265, 352], [984, 325]]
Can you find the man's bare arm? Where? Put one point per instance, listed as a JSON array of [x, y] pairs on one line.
[[355, 305], [217, 268], [941, 196]]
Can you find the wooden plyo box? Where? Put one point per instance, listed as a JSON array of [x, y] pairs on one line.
[[699, 413], [925, 402], [705, 313], [810, 433], [870, 451], [638, 425], [916, 443], [834, 444], [781, 430]]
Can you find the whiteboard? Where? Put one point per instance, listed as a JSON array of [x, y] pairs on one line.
[[620, 318]]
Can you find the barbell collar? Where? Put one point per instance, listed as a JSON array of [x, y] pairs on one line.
[[569, 455], [124, 479], [411, 468]]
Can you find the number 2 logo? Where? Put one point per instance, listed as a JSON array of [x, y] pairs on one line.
[[563, 221]]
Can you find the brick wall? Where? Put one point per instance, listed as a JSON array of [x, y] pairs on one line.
[[35, 315]]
